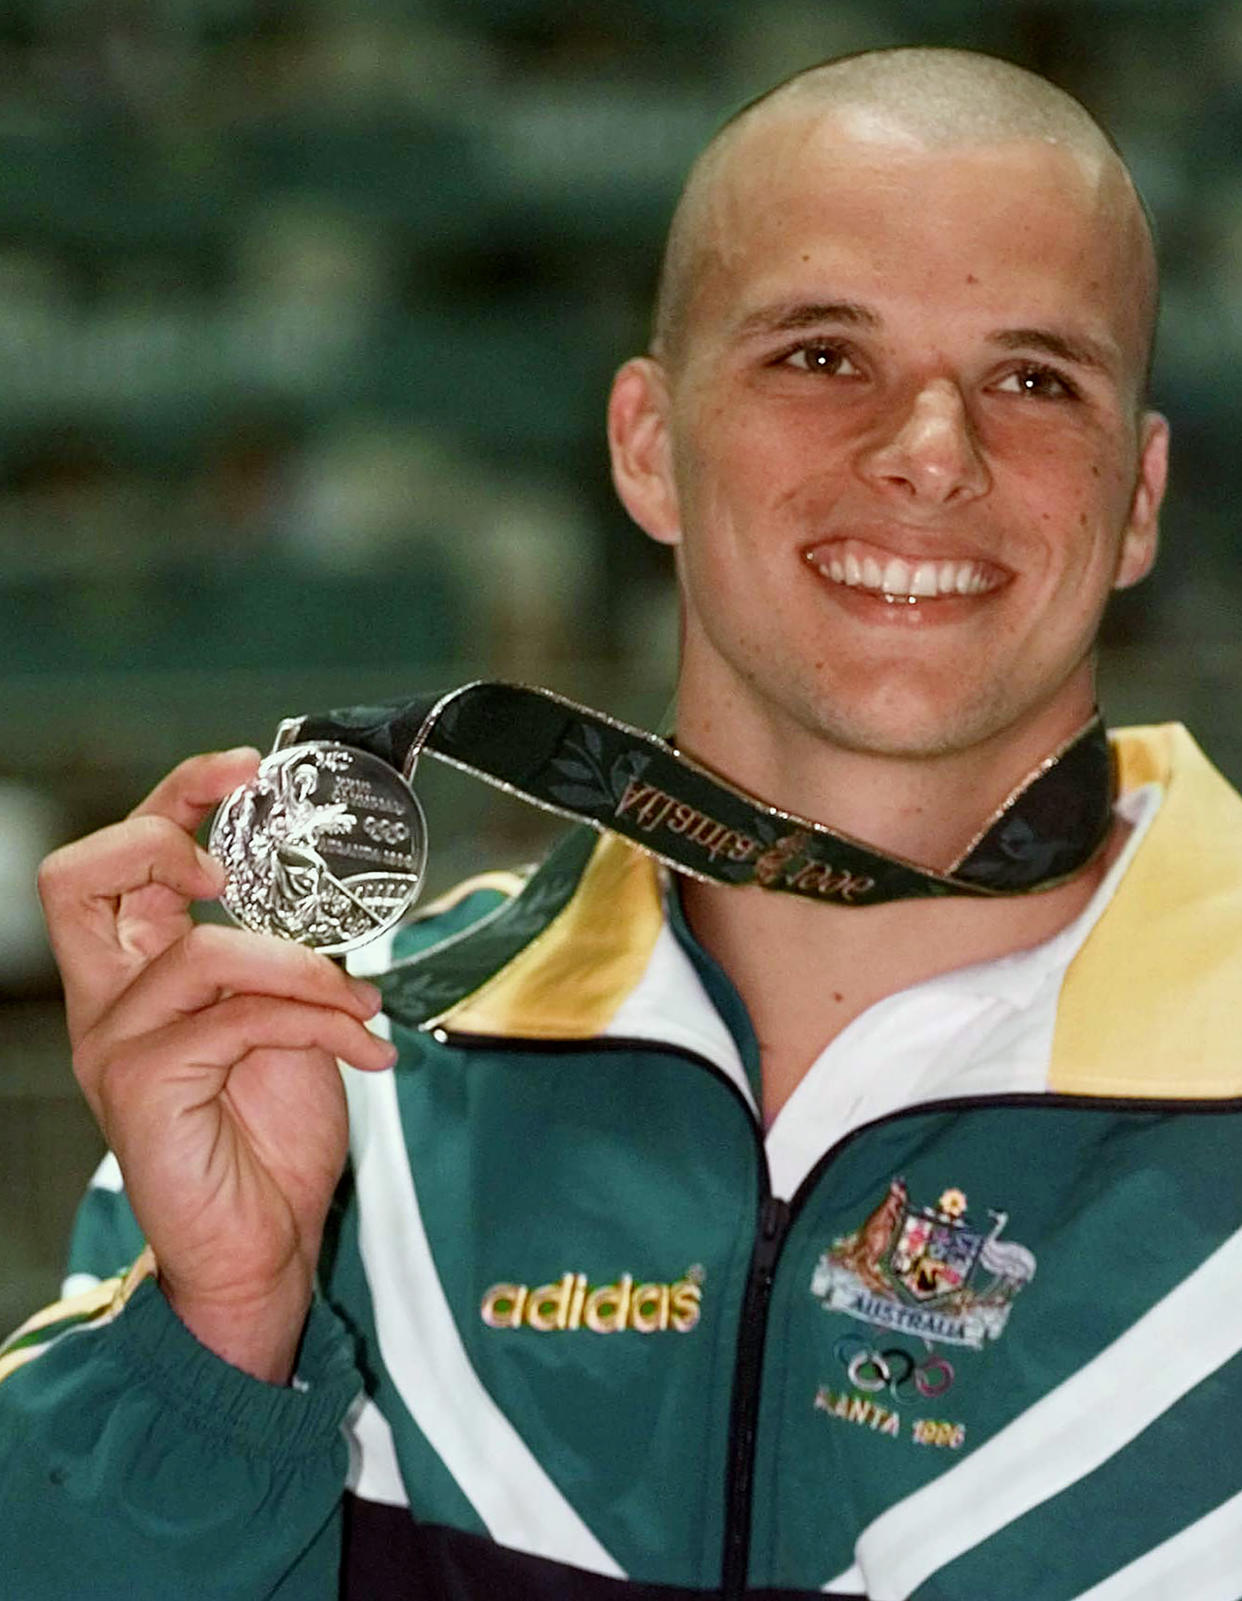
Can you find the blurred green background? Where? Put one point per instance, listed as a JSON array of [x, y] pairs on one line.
[[307, 314]]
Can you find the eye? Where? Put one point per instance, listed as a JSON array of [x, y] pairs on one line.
[[828, 359], [1042, 383]]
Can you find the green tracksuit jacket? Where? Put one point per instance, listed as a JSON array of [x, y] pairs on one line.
[[988, 1348]]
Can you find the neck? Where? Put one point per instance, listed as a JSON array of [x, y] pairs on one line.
[[806, 970], [927, 808]]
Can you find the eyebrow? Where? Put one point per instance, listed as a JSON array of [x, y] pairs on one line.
[[782, 319], [1077, 349]]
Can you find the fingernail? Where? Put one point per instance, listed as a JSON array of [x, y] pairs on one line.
[[367, 994], [392, 1056], [210, 865]]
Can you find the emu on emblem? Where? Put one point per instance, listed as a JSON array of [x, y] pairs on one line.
[[925, 1270]]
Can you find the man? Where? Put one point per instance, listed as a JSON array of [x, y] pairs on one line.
[[706, 1239]]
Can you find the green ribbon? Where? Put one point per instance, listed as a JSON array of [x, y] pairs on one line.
[[568, 759]]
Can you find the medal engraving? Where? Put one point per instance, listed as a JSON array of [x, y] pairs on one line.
[[326, 845]]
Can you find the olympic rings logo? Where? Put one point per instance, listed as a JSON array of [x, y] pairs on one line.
[[385, 830], [893, 1370]]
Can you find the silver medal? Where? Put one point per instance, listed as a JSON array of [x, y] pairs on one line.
[[326, 845]]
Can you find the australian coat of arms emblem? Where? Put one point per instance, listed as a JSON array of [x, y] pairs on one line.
[[925, 1270]]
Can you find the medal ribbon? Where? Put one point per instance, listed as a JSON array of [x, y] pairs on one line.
[[568, 759]]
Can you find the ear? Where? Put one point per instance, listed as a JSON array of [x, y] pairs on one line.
[[638, 440], [1141, 536]]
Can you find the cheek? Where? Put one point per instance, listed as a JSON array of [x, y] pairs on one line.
[[725, 476], [1107, 502], [1078, 509]]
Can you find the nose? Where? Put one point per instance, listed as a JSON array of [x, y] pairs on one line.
[[929, 452]]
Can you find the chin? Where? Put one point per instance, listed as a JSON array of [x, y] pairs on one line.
[[914, 728]]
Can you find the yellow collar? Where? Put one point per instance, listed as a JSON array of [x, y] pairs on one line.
[[571, 978], [1150, 1003]]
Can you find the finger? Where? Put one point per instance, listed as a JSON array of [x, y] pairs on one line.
[[210, 962], [219, 1037], [153, 845], [186, 1062], [91, 874], [187, 794]]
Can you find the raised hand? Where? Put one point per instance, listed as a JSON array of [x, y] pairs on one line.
[[209, 1058]]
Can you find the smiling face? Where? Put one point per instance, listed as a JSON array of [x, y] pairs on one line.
[[899, 446]]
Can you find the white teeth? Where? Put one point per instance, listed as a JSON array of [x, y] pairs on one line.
[[901, 580]]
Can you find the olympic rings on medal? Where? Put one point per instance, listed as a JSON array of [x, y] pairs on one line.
[[893, 1369]]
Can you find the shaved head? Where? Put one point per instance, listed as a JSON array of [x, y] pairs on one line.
[[912, 98]]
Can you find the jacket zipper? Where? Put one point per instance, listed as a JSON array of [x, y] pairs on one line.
[[775, 1216], [774, 1220]]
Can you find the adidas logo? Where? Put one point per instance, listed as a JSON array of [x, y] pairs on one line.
[[572, 1303]]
